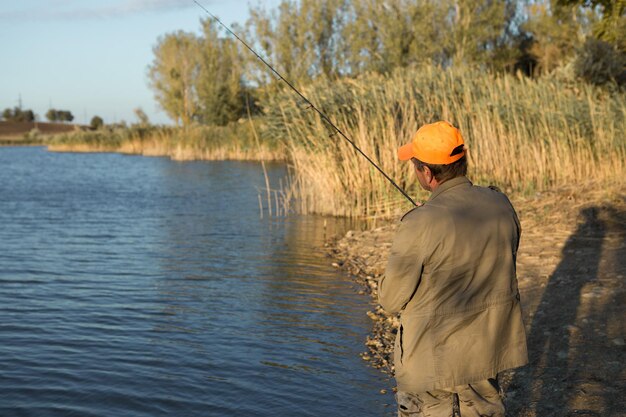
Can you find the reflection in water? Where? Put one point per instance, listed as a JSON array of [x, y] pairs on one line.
[[146, 287]]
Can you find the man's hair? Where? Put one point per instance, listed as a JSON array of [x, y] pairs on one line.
[[444, 173]]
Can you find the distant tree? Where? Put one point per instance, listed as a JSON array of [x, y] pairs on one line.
[[142, 116], [331, 38], [28, 116], [173, 75], [557, 31], [96, 122], [55, 115], [611, 25], [18, 115], [52, 115], [15, 114], [478, 31], [65, 116], [7, 114], [219, 84], [302, 38]]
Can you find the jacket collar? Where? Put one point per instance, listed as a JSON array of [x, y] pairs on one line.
[[454, 182]]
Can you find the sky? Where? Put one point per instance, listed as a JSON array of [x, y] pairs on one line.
[[91, 56]]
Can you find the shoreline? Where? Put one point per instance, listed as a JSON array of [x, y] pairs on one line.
[[180, 154], [363, 256], [563, 232], [176, 154]]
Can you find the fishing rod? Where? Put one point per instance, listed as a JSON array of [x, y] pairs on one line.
[[307, 101]]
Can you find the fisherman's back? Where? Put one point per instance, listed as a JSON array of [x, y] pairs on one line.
[[452, 274]]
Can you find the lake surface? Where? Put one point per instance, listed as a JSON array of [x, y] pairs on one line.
[[133, 286]]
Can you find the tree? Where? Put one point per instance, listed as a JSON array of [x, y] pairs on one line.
[[96, 122], [302, 39], [173, 74], [64, 116], [52, 115], [478, 30], [220, 79], [599, 62], [309, 38], [611, 25], [28, 116], [18, 115], [381, 36], [557, 32], [142, 116]]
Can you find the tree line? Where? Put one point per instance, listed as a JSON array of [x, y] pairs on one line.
[[54, 115], [17, 114], [210, 78]]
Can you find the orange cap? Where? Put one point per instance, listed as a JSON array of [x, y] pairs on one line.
[[434, 144]]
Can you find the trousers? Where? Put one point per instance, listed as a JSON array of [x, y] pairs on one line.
[[480, 399]]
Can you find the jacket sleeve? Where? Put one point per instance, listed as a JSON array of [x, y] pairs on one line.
[[404, 267]]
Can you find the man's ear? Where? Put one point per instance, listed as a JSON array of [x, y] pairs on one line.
[[427, 173]]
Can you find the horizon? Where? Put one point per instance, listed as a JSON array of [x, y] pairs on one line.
[[67, 55]]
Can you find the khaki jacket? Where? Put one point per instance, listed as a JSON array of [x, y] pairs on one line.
[[451, 274]]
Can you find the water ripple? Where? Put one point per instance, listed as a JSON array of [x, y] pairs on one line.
[[144, 287]]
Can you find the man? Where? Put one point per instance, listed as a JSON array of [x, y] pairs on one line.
[[451, 275]]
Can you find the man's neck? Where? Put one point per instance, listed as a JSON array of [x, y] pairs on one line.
[[434, 184]]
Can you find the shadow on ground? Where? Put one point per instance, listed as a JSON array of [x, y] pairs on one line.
[[576, 338]]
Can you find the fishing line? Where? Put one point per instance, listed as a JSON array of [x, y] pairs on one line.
[[307, 101]]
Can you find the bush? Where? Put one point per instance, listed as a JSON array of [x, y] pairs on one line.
[[96, 122], [599, 63]]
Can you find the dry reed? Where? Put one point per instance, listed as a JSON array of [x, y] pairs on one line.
[[232, 142], [524, 135]]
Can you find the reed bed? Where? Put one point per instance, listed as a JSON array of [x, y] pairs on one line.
[[524, 135], [233, 142]]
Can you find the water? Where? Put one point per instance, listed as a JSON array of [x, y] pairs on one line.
[[134, 286]]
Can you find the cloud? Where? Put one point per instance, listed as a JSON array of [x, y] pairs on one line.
[[73, 10]]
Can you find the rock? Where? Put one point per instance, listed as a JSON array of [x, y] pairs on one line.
[[618, 341], [372, 315]]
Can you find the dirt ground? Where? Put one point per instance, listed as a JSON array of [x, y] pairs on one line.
[[14, 133], [572, 271]]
